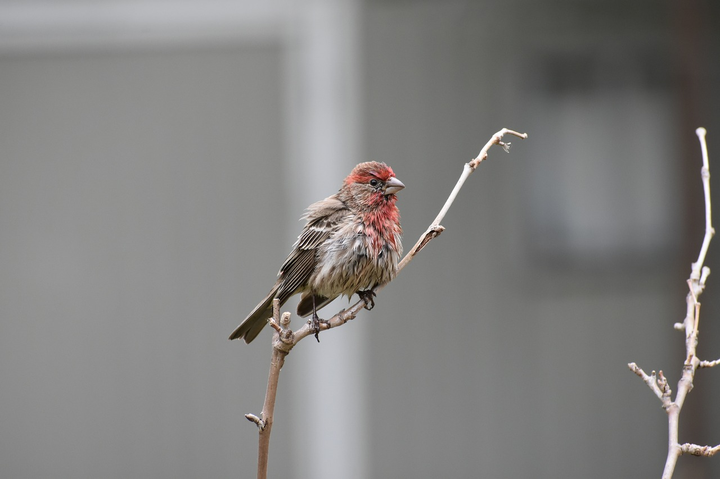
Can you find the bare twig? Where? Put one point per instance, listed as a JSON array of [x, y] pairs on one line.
[[265, 423], [696, 450], [658, 385], [435, 229], [284, 339], [709, 230], [696, 285], [708, 364]]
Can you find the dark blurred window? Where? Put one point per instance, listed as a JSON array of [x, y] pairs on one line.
[[603, 188]]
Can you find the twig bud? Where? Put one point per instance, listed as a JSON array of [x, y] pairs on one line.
[[258, 422]]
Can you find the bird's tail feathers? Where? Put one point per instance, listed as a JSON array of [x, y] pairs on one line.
[[256, 320]]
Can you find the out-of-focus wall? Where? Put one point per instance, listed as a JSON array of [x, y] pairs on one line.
[[149, 191], [128, 191], [563, 260]]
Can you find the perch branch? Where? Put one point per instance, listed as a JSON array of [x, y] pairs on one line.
[[284, 339], [265, 422], [696, 285]]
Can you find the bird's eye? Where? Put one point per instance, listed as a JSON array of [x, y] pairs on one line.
[[373, 182]]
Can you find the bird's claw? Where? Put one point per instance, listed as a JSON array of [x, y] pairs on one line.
[[316, 324], [368, 298]]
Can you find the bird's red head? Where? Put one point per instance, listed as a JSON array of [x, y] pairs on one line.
[[364, 172]]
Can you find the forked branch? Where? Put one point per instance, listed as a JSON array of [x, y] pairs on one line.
[[658, 384]]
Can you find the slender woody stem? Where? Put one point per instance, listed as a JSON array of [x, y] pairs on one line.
[[709, 230], [696, 285], [435, 228], [266, 421], [472, 166]]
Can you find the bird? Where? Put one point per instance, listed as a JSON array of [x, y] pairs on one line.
[[351, 243]]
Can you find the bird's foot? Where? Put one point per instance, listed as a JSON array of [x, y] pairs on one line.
[[368, 297], [316, 324]]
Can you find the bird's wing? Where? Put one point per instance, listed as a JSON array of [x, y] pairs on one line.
[[322, 219]]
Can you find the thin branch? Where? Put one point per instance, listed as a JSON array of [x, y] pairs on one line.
[[285, 339], [696, 450], [435, 229], [276, 363], [708, 364], [709, 230], [658, 386], [696, 285]]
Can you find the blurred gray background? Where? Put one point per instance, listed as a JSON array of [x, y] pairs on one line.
[[155, 158]]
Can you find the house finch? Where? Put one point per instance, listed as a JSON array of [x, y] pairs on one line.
[[350, 244]]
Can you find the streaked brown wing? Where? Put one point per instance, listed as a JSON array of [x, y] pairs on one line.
[[296, 272], [300, 263]]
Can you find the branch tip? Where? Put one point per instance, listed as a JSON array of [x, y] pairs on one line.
[[273, 324], [276, 308], [495, 140], [637, 370], [705, 272]]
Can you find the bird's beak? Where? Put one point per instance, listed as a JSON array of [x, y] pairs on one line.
[[393, 185]]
